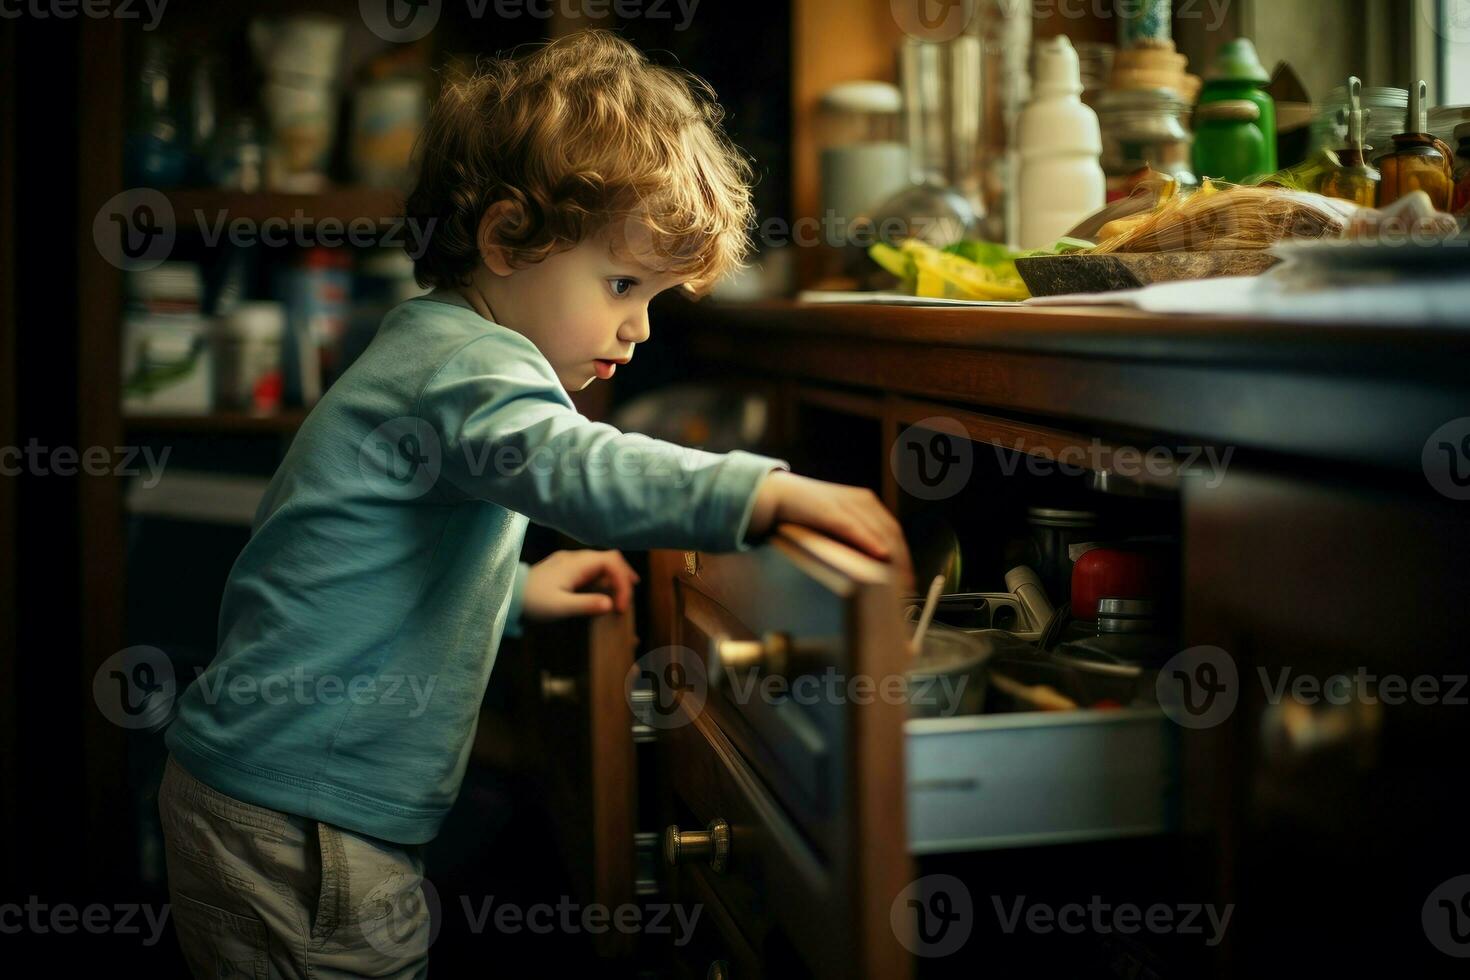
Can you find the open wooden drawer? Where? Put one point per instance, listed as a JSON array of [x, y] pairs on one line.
[[784, 812], [816, 791]]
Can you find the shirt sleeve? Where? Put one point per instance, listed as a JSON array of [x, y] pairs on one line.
[[508, 433], [517, 598]]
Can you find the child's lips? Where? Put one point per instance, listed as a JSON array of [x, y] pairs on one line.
[[605, 369]]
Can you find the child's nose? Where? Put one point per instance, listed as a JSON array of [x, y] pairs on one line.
[[635, 329]]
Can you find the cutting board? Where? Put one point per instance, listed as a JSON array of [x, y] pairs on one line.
[[1057, 275]]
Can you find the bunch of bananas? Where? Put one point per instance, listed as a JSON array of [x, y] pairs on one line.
[[969, 269]]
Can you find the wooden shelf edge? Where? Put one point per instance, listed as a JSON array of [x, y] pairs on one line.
[[204, 209]]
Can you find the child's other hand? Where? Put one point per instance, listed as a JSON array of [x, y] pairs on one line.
[[552, 587], [851, 514]]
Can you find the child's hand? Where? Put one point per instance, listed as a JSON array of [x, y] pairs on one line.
[[852, 514], [551, 590]]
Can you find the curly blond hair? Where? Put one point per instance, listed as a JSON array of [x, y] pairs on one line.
[[584, 134]]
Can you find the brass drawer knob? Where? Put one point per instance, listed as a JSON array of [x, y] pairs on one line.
[[711, 845], [557, 688], [771, 654]]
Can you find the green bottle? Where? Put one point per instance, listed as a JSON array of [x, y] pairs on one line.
[[1235, 121]]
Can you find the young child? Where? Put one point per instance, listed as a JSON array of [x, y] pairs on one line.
[[327, 740]]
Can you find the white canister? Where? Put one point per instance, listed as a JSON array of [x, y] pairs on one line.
[[247, 357], [1062, 179], [386, 118], [303, 120]]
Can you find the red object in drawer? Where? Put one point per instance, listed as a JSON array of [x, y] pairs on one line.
[[1117, 571]]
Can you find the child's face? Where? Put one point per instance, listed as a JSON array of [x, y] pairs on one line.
[[584, 308]]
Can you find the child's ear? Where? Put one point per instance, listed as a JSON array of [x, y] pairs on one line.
[[492, 252]]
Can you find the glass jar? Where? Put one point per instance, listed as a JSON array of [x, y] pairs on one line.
[[1143, 128], [1386, 114], [1461, 202]]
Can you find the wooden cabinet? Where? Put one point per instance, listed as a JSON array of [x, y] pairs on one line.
[[1310, 541], [579, 729]]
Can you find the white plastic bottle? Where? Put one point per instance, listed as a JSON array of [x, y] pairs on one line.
[[1062, 179]]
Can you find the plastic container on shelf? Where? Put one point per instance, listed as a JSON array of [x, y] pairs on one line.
[[166, 356], [387, 115], [303, 120], [317, 293], [1062, 180], [299, 56], [247, 357]]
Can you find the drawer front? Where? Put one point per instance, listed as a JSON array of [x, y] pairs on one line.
[[794, 743], [716, 950], [773, 885], [805, 779]]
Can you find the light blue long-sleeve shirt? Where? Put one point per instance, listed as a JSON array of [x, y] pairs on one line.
[[360, 623]]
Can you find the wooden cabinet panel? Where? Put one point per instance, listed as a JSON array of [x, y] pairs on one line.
[[583, 734], [829, 859]]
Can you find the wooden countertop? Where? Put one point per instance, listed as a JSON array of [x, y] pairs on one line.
[[1346, 394], [1107, 331]]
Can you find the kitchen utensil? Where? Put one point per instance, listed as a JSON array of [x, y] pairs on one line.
[[1039, 696], [1119, 615], [947, 676], [1032, 595], [1053, 530], [1126, 571], [977, 611], [1130, 632], [916, 642], [1098, 679]]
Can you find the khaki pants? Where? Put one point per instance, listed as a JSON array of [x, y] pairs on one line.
[[263, 894]]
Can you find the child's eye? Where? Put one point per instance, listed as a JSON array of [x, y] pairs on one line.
[[621, 286]]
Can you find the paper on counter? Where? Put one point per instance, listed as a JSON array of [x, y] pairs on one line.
[[1274, 295], [893, 299]]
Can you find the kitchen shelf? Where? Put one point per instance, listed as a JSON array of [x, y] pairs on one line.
[[222, 423], [382, 205]]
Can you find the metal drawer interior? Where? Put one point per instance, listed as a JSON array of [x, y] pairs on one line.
[[982, 782]]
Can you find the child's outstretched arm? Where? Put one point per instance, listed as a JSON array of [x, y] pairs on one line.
[[508, 433]]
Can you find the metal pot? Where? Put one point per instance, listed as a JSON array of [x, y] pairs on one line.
[[948, 676]]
